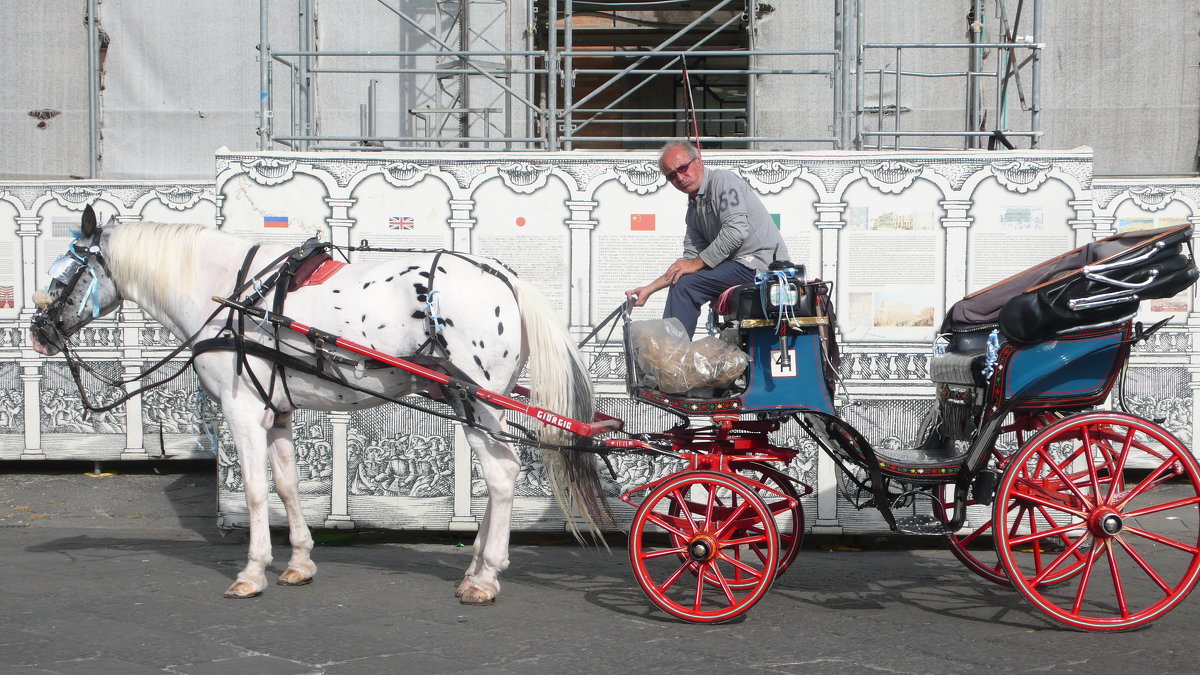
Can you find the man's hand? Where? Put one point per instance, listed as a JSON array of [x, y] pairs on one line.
[[681, 267], [638, 296]]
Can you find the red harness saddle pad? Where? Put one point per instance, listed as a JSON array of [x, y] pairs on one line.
[[315, 271]]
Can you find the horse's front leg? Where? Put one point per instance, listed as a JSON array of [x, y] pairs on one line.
[[499, 465], [245, 419], [282, 449]]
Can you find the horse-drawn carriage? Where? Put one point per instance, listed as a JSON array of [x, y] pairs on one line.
[[1091, 515]]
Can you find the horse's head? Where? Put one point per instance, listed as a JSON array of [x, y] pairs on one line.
[[80, 290]]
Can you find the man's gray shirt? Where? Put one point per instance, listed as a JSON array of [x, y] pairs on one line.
[[727, 221]]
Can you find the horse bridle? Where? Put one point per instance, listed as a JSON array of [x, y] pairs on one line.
[[83, 259]]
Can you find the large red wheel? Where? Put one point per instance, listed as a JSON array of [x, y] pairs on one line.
[[703, 546], [972, 545], [1099, 514]]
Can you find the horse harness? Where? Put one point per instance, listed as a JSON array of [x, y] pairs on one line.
[[293, 272]]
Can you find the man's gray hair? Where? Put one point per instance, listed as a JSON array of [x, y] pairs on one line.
[[690, 149]]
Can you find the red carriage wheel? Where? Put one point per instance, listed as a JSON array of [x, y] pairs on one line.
[[1116, 499], [778, 493], [973, 545], [703, 546], [780, 496]]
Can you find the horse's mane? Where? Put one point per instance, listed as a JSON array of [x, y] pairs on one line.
[[153, 262]]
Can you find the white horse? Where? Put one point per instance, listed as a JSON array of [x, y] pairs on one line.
[[486, 321]]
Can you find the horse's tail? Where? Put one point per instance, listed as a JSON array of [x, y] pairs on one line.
[[559, 382]]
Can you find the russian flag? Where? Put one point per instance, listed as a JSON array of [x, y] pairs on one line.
[[275, 221]]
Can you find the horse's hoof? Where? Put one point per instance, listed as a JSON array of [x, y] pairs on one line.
[[463, 586], [294, 577], [477, 596], [241, 590]]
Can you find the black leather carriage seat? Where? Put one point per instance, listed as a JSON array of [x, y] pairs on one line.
[[1035, 305]]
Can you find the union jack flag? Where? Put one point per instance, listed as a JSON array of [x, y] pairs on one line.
[[400, 223]]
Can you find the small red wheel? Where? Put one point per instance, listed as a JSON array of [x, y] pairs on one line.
[[703, 546], [1090, 543], [973, 545]]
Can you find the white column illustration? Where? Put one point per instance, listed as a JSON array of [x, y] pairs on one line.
[[339, 507], [131, 328], [955, 223], [1084, 222], [580, 293], [462, 520], [830, 221], [339, 221], [31, 381], [461, 223]]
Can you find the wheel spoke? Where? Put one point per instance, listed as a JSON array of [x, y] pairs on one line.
[[1144, 565], [1038, 499], [674, 577], [1118, 587], [1119, 469], [1087, 577], [658, 520], [732, 520], [708, 511], [1072, 550], [1068, 482], [666, 552], [1054, 523], [755, 573], [1093, 478], [1159, 508], [1162, 539], [1054, 531], [686, 513], [724, 583], [1150, 481]]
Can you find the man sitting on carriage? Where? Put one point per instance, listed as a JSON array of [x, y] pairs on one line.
[[730, 236]]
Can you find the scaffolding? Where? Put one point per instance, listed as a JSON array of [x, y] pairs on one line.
[[633, 73]]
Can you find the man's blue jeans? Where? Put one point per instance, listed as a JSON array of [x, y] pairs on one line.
[[693, 290]]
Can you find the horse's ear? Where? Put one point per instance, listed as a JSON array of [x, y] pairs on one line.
[[88, 224]]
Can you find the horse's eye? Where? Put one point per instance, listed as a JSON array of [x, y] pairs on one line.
[[64, 268]]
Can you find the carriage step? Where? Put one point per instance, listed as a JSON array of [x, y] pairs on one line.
[[921, 525]]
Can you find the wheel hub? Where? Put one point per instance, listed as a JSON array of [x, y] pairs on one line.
[[1107, 523], [702, 549]]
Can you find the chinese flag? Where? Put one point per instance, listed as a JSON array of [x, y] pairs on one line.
[[641, 222]]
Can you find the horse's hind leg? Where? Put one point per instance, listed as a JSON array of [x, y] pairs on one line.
[[280, 444], [499, 464]]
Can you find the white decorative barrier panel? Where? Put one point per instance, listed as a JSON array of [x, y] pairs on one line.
[[902, 236]]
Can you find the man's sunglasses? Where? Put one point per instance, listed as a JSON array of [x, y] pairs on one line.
[[680, 169]]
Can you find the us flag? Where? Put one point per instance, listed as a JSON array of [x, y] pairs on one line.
[[6, 297], [400, 223]]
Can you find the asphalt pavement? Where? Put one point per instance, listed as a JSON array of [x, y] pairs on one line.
[[124, 574]]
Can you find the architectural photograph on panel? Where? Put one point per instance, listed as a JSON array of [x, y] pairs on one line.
[[369, 264]]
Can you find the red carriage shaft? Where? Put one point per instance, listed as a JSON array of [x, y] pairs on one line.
[[603, 425]]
